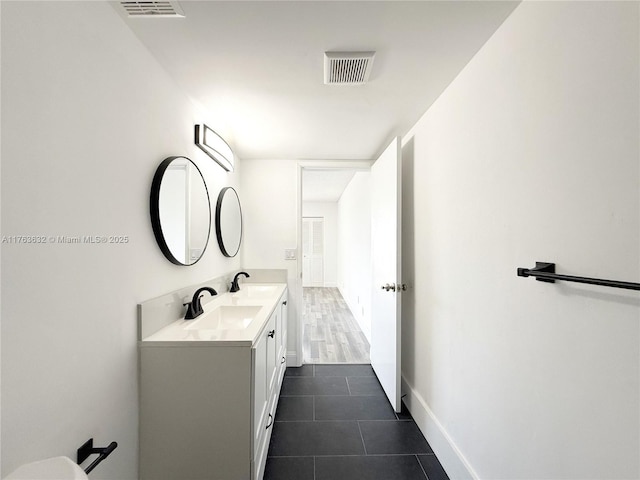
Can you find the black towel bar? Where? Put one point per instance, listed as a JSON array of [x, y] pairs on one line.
[[546, 272], [88, 449]]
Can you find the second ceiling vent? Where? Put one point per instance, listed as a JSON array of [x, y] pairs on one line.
[[152, 8], [347, 68]]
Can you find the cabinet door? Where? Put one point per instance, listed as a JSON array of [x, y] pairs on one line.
[[284, 325], [260, 393], [282, 337], [264, 369], [272, 352]]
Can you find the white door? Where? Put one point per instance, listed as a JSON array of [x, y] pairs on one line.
[[312, 252], [385, 254]]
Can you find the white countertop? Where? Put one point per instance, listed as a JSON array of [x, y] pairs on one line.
[[250, 294]]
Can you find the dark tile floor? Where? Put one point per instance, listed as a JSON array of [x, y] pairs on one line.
[[334, 422]]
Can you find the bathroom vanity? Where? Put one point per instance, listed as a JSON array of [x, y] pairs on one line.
[[209, 388]]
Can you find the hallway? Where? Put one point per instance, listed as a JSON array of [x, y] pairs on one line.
[[331, 334], [334, 422]]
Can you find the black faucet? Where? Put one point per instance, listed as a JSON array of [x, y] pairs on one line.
[[234, 285], [194, 307]]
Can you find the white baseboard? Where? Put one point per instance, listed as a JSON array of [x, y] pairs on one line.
[[293, 360], [450, 456]]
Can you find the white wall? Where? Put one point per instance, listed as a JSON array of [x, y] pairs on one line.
[[0, 254], [329, 212], [87, 116], [270, 213], [354, 249], [531, 154]]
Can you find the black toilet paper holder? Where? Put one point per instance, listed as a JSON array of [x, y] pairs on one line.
[[88, 449]]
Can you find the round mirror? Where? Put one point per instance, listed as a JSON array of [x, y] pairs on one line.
[[229, 222], [180, 210]]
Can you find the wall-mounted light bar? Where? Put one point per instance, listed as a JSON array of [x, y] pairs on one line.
[[214, 145]]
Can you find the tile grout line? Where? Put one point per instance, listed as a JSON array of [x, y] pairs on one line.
[[314, 468], [421, 467], [341, 420], [362, 437], [350, 455]]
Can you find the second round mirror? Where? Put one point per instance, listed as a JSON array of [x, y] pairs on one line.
[[229, 222]]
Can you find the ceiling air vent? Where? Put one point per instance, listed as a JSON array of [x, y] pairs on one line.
[[347, 68], [152, 8]]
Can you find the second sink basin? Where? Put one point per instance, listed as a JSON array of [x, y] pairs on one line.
[[256, 291], [225, 317]]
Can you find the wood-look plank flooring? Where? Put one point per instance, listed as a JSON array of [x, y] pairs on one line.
[[330, 332]]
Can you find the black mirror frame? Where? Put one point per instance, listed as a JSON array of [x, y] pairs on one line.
[[219, 227], [154, 207]]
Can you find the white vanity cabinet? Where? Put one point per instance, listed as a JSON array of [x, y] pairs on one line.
[[207, 407], [270, 364]]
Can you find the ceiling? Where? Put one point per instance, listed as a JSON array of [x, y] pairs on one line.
[[257, 68], [325, 185]]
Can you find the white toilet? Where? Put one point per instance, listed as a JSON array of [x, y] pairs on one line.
[[56, 468]]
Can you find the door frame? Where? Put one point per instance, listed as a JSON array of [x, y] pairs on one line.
[[358, 165]]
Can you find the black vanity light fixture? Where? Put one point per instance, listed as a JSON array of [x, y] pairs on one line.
[[214, 145]]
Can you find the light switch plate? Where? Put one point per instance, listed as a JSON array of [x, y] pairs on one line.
[[289, 253]]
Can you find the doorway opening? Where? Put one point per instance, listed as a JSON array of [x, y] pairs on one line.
[[336, 263]]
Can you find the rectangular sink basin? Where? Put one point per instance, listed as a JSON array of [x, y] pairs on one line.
[[257, 291], [225, 317]]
